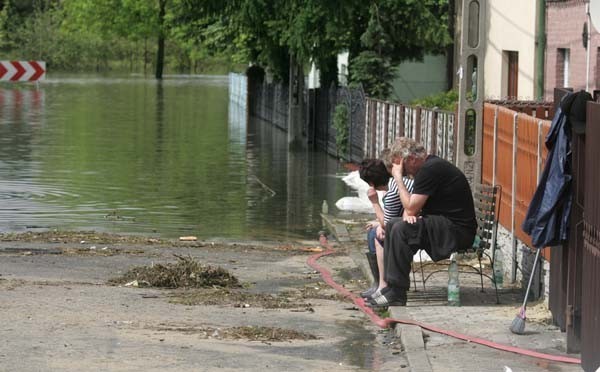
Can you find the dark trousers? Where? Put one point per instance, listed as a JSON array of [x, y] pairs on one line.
[[402, 241], [436, 235]]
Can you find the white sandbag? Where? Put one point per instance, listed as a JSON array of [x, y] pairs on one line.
[[356, 183], [354, 204]]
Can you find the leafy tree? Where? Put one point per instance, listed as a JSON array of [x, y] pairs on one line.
[[268, 33], [398, 30], [4, 24], [134, 20], [379, 34]]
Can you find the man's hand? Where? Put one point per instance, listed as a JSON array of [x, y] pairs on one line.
[[398, 169], [380, 232], [410, 219], [372, 195]]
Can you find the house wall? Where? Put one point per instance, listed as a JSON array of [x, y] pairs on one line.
[[567, 34], [511, 26], [342, 67], [414, 80]]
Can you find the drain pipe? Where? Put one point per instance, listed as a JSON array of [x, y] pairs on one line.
[[514, 198], [540, 50]]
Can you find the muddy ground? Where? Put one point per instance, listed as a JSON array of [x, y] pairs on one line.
[[63, 311]]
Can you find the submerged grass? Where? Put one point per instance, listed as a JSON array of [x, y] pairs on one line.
[[185, 273]]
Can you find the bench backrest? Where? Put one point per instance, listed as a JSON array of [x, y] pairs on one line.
[[486, 212]]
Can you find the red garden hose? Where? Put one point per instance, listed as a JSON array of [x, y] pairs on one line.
[[385, 323]]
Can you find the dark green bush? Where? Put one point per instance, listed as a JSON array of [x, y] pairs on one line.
[[447, 101], [341, 124]]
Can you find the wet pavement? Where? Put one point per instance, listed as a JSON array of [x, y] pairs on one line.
[[60, 313], [479, 316]]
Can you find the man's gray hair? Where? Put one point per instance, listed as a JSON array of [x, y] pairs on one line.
[[385, 156], [403, 147]]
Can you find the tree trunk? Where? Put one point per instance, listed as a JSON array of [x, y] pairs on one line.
[[450, 58], [329, 72], [160, 54], [145, 56], [296, 139]]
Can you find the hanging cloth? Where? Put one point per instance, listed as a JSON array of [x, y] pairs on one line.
[[547, 218]]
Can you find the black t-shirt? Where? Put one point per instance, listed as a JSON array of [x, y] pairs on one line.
[[448, 190]]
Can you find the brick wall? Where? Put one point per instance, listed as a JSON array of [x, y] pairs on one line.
[[564, 26]]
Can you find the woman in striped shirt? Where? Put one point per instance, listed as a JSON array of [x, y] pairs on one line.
[[377, 174]]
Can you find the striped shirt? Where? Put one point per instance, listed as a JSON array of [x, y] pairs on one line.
[[392, 206]]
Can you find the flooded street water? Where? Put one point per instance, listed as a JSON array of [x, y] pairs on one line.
[[131, 155]]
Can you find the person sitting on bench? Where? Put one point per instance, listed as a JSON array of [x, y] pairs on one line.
[[377, 174], [439, 216]]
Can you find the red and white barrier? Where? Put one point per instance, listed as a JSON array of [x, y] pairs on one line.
[[22, 70]]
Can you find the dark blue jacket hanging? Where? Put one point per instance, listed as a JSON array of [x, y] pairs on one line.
[[547, 219]]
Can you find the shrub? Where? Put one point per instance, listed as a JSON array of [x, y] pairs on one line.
[[341, 124], [444, 101]]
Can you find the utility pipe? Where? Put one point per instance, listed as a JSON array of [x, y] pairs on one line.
[[514, 198], [540, 49], [588, 41]]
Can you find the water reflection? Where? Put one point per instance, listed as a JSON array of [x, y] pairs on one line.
[[132, 155]]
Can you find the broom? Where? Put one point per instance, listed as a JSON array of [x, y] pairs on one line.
[[518, 324]]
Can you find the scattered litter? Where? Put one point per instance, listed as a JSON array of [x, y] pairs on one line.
[[250, 333], [312, 249], [349, 222], [133, 283], [188, 238], [507, 369]]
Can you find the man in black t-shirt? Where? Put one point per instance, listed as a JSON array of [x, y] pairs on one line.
[[439, 216]]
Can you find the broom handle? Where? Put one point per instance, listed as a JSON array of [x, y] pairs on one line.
[[537, 255]]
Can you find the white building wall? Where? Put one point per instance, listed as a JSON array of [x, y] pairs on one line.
[[511, 27], [342, 66]]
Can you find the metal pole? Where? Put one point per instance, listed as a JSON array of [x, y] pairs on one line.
[[514, 199], [539, 153], [588, 47], [495, 148], [540, 49]]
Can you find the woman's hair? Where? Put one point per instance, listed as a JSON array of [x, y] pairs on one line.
[[403, 147], [373, 171]]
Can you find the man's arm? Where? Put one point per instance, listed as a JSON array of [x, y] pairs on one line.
[[413, 203]]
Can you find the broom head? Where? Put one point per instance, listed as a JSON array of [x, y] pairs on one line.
[[518, 324]]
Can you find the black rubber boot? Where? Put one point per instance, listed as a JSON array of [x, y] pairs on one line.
[[372, 260]]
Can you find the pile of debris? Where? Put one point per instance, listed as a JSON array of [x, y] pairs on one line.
[[185, 273]]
